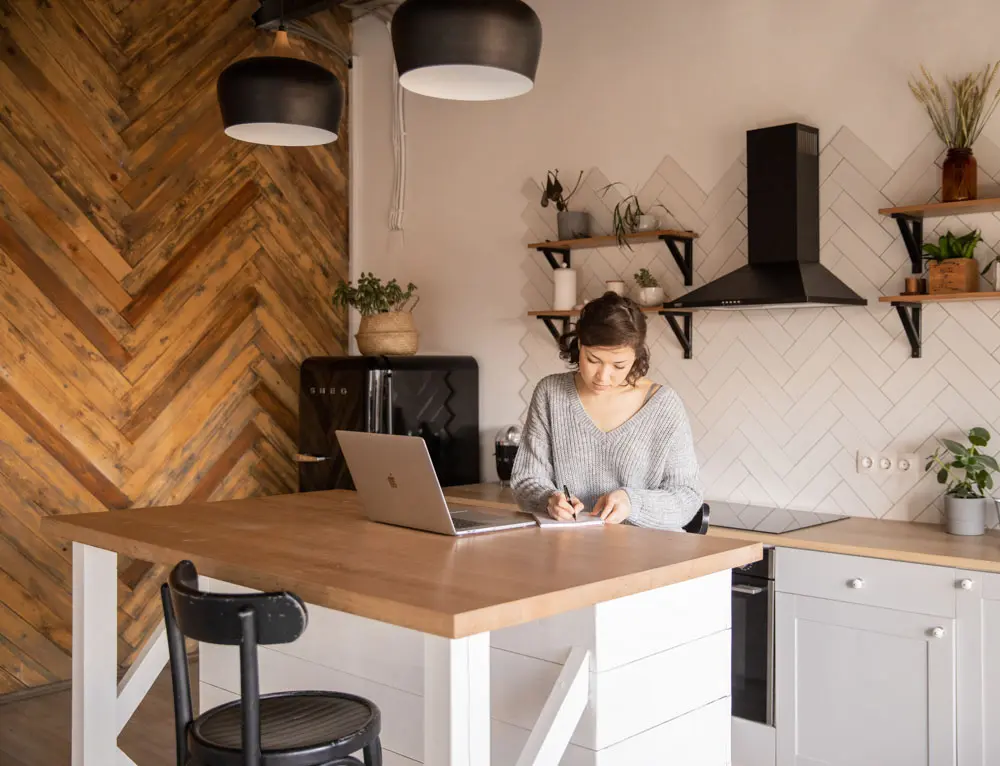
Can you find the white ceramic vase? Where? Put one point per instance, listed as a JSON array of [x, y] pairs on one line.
[[649, 296], [965, 516]]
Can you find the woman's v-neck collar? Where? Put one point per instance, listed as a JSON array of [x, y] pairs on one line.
[[582, 411]]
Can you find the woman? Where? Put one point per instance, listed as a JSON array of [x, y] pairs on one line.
[[620, 443]]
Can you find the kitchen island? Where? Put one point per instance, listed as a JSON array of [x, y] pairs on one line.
[[589, 646]]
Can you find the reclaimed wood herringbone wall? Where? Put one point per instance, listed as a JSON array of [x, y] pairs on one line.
[[159, 285]]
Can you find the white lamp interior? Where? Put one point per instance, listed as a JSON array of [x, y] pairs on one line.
[[466, 82], [280, 134]]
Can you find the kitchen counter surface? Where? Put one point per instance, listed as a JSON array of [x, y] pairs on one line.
[[895, 540], [320, 546]]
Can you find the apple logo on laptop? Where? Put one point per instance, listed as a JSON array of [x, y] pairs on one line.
[[392, 482]]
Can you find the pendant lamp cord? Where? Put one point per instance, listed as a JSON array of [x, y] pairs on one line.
[[397, 210]]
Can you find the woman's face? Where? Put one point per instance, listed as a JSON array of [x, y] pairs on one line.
[[604, 369]]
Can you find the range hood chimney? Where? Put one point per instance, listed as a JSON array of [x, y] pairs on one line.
[[783, 212]]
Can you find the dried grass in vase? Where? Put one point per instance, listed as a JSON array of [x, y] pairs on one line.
[[960, 119]]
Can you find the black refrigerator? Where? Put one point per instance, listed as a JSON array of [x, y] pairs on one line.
[[435, 397]]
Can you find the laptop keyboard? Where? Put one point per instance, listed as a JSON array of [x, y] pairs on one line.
[[461, 523]]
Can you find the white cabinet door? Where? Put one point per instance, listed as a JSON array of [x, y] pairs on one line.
[[862, 686], [978, 668]]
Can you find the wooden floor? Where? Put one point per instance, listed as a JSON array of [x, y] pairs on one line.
[[36, 732]]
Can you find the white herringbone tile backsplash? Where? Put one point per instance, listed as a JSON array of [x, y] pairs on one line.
[[782, 400]]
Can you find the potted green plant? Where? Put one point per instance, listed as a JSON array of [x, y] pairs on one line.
[[648, 291], [629, 217], [959, 119], [952, 266], [993, 265], [386, 315], [572, 224], [968, 476]]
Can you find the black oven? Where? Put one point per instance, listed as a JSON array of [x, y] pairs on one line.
[[753, 640]]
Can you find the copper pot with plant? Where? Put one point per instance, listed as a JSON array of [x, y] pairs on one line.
[[958, 119], [386, 315]]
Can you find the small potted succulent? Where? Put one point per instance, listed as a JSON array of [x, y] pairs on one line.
[[572, 224], [629, 217], [386, 320], [647, 290], [952, 266], [968, 476]]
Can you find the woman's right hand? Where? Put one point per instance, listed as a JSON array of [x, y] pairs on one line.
[[561, 510]]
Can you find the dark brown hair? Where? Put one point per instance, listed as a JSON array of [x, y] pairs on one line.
[[610, 321]]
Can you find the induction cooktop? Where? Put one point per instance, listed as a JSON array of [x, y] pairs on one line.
[[760, 518]]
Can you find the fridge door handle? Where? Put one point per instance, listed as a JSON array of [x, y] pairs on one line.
[[388, 402], [373, 412]]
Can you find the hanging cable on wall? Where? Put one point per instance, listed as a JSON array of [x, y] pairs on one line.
[[397, 209]]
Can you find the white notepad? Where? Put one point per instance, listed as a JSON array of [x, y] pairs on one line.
[[583, 520]]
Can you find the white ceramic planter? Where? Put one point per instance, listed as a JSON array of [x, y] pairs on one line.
[[649, 296], [965, 516], [647, 223]]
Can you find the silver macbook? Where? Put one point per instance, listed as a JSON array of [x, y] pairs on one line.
[[397, 483]]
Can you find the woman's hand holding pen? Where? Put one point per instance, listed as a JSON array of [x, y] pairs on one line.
[[562, 509]]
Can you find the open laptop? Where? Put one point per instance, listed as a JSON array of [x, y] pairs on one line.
[[398, 485]]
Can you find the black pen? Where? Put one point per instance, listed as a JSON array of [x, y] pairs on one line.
[[569, 500]]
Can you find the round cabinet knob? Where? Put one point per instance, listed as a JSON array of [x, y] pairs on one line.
[[937, 632], [857, 583], [965, 584]]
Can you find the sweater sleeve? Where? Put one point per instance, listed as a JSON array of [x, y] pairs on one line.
[[532, 477], [675, 501]]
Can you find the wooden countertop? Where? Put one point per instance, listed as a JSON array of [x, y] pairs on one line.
[[320, 547], [896, 540]]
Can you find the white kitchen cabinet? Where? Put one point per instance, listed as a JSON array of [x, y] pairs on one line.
[[978, 668], [863, 685]]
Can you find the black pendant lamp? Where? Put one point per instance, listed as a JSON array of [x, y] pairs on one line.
[[467, 50], [280, 100]]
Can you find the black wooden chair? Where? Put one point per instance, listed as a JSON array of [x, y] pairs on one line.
[[699, 524], [286, 729]]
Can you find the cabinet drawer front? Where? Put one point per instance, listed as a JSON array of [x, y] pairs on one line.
[[874, 582]]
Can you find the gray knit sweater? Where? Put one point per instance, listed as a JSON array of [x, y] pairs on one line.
[[651, 456]]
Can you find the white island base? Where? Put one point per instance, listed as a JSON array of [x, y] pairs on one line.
[[637, 681]]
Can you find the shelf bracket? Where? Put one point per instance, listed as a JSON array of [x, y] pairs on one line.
[[909, 315], [550, 323], [551, 253], [912, 230], [685, 262], [685, 334]]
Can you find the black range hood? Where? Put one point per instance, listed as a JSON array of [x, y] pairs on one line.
[[783, 221]]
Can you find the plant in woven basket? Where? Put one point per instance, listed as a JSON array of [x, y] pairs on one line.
[[960, 117], [966, 472], [371, 297]]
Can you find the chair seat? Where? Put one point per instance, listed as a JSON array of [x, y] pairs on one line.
[[296, 728]]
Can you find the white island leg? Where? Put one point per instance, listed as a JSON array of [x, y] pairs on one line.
[[457, 701], [95, 661]]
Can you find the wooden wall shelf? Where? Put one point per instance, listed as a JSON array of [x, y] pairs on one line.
[[671, 237], [942, 209], [681, 322], [910, 310], [910, 219]]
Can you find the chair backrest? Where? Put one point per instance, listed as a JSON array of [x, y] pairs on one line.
[[215, 617], [243, 619], [699, 524]]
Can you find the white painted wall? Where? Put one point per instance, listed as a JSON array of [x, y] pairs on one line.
[[621, 86]]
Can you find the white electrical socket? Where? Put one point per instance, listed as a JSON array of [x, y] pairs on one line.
[[885, 464], [867, 462], [908, 464]]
